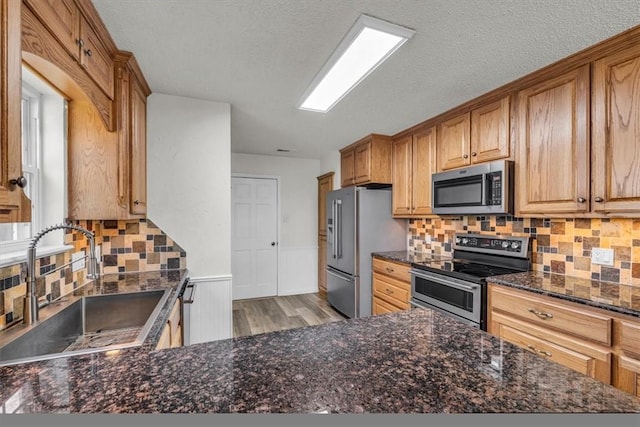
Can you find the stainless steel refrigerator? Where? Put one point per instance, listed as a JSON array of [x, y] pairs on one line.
[[359, 222]]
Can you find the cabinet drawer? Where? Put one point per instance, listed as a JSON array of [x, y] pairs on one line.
[[630, 338], [571, 359], [391, 290], [568, 319], [393, 269], [380, 306]]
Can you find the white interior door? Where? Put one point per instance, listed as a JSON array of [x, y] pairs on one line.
[[254, 232]]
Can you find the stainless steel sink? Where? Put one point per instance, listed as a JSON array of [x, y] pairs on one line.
[[90, 324]]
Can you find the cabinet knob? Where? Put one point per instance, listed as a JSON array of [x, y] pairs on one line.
[[474, 154], [466, 156], [599, 199], [581, 200], [80, 42], [20, 181], [136, 202], [88, 52]]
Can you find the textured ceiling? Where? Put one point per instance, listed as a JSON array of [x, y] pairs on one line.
[[260, 55]]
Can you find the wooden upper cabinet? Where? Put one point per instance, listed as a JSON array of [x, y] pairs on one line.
[[552, 166], [138, 171], [490, 127], [14, 205], [62, 18], [414, 160], [73, 31], [616, 133], [367, 161], [454, 142]]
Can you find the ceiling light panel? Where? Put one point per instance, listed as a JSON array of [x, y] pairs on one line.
[[367, 44]]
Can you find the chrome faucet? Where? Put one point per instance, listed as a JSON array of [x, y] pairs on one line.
[[31, 305]]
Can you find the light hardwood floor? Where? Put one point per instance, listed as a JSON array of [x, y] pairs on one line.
[[256, 316]]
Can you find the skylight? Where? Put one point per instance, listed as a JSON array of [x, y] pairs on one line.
[[367, 44]]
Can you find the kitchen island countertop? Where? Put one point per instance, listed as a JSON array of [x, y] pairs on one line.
[[409, 362]]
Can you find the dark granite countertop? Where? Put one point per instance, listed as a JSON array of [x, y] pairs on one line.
[[408, 257], [415, 361], [616, 297]]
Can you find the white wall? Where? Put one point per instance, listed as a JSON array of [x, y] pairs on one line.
[[298, 245], [189, 178], [331, 163]]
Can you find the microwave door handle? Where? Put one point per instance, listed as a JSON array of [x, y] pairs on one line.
[[485, 188]]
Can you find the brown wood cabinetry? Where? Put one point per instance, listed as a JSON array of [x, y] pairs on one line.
[[171, 335], [14, 205], [391, 286], [552, 167], [75, 34], [481, 135], [616, 133], [414, 160], [138, 139], [367, 161], [602, 344], [325, 185]]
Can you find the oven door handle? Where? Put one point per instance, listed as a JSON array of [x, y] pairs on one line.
[[443, 281]]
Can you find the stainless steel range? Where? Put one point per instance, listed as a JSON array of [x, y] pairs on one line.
[[457, 286]]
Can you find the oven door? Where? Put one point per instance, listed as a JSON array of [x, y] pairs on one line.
[[458, 297]]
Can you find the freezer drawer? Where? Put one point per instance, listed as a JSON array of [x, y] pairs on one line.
[[342, 293]]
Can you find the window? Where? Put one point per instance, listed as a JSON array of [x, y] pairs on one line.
[[43, 163]]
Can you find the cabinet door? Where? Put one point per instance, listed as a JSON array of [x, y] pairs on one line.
[[363, 163], [322, 264], [62, 18], [490, 132], [454, 142], [423, 165], [616, 132], [325, 184], [401, 175], [138, 172], [14, 205], [347, 168], [628, 375], [96, 59], [382, 307], [552, 166]]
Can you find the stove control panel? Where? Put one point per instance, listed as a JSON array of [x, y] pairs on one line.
[[504, 245]]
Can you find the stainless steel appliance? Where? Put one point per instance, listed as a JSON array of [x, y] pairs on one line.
[[457, 286], [481, 189], [358, 222]]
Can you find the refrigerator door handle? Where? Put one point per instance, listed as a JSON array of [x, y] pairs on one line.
[[333, 230], [346, 279], [339, 228]]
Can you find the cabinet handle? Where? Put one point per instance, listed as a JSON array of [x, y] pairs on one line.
[[474, 154], [389, 291], [88, 52], [390, 270], [20, 181], [535, 350], [599, 199], [466, 156], [581, 200], [541, 314], [80, 42]]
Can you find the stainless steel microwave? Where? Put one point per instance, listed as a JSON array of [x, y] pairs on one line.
[[482, 189]]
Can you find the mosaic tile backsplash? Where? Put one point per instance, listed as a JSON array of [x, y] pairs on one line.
[[126, 246], [561, 246]]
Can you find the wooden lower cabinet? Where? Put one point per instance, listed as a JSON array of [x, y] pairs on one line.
[[171, 335], [322, 265], [391, 286], [599, 343]]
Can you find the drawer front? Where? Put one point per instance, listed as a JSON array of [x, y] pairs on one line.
[[392, 269], [380, 306], [571, 359], [630, 375], [391, 290], [576, 321], [630, 337]]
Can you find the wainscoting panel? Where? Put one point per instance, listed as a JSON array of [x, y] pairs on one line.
[[298, 270], [211, 312]]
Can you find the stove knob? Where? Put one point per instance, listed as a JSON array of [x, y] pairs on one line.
[[515, 245], [458, 240], [465, 241], [505, 244]]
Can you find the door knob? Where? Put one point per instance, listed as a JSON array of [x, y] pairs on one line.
[[273, 243], [20, 181]]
